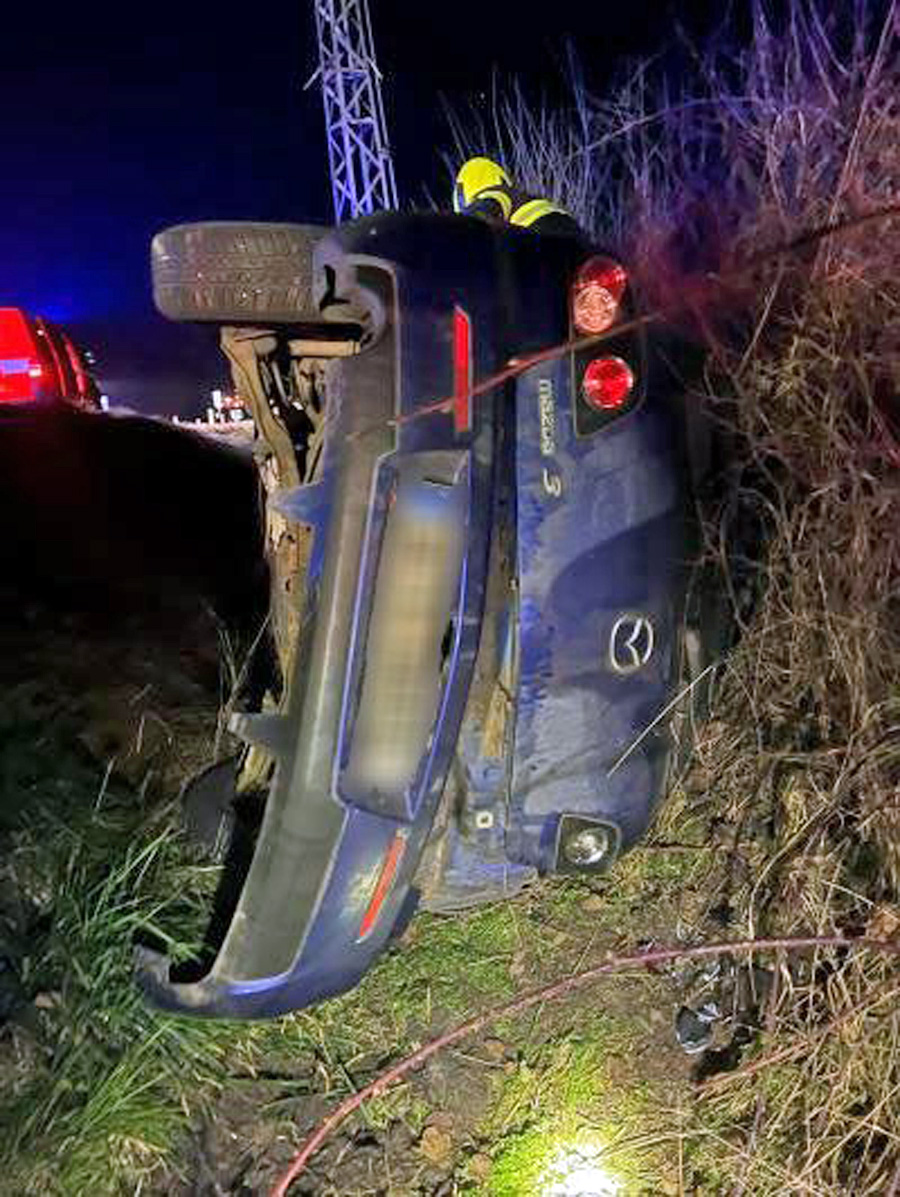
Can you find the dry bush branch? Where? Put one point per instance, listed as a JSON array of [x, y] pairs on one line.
[[769, 141]]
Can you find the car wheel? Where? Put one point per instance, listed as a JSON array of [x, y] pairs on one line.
[[236, 272]]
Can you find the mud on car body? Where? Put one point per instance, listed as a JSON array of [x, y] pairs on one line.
[[480, 664]]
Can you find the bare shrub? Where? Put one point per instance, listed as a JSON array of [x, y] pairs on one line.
[[702, 188]]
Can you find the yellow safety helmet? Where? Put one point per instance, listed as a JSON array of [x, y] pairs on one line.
[[476, 176]]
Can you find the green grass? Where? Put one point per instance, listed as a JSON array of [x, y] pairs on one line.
[[445, 964], [110, 1079], [572, 1094], [99, 1090], [112, 1082], [113, 1085]]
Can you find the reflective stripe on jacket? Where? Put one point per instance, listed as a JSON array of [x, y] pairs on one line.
[[527, 213], [511, 206]]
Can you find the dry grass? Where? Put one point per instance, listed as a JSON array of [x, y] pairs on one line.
[[803, 759], [801, 762], [810, 372]]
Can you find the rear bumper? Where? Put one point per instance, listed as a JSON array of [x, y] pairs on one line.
[[328, 848], [268, 968], [271, 959]]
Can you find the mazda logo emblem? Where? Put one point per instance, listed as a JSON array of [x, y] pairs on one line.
[[631, 643]]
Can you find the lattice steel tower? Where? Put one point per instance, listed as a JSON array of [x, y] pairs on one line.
[[362, 170]]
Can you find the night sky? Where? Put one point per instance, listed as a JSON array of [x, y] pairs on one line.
[[120, 121]]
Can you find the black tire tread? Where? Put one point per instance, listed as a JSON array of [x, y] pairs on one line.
[[236, 271]]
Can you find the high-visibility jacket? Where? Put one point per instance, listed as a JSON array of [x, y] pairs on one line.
[[483, 189]]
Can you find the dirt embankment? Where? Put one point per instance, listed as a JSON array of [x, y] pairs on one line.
[[131, 508]]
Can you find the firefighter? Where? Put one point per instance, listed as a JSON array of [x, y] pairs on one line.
[[483, 188]]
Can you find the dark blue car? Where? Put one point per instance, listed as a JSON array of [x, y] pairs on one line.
[[497, 619]]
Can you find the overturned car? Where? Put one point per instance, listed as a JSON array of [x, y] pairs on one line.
[[481, 485]]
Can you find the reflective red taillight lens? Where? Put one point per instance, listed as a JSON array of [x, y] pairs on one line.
[[21, 372], [383, 885], [462, 370], [607, 383], [597, 295]]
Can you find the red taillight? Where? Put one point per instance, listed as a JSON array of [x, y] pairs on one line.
[[21, 372], [383, 885], [16, 338], [19, 380], [607, 383], [597, 295], [462, 370]]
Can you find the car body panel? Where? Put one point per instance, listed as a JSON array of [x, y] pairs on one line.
[[601, 528], [41, 370], [561, 538]]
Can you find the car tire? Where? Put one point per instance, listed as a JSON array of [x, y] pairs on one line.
[[234, 272]]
